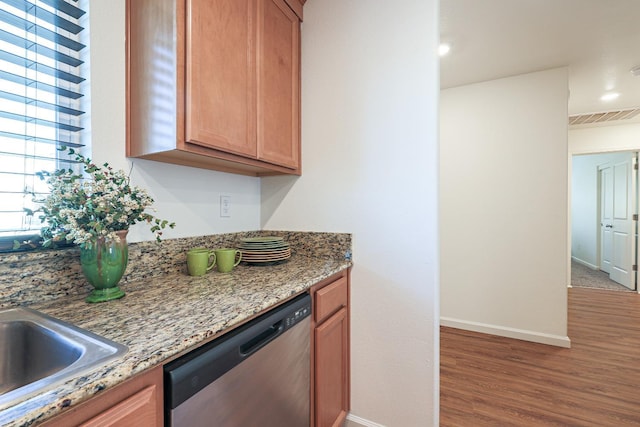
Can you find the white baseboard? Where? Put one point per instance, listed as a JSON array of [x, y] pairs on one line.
[[502, 331], [355, 421], [585, 263]]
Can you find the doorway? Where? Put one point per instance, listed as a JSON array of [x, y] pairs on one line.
[[603, 205]]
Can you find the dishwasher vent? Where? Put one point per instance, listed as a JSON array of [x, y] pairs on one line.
[[606, 116]]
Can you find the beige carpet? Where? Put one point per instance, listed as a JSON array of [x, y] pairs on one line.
[[584, 277]]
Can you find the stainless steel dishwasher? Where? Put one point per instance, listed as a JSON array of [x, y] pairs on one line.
[[256, 375]]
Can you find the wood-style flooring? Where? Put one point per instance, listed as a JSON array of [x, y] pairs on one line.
[[494, 381]]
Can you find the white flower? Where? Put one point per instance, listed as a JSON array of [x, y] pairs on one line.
[[82, 208]]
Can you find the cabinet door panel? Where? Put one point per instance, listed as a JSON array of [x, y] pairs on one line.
[[138, 402], [138, 410], [331, 370], [220, 67], [278, 84]]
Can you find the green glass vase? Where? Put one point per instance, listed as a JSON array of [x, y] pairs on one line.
[[103, 265]]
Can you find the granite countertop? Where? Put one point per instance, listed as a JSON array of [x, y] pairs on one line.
[[163, 316]]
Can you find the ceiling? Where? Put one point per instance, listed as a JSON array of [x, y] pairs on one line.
[[598, 40]]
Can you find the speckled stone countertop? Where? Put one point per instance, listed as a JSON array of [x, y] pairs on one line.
[[163, 315]]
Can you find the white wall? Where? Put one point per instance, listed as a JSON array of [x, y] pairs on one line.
[[503, 206], [369, 131], [585, 204], [620, 137], [188, 196]]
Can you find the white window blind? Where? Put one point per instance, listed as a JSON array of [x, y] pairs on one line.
[[40, 101]]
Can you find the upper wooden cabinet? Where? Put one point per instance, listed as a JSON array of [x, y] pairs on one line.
[[215, 84], [278, 67]]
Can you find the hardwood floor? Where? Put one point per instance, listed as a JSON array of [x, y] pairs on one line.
[[494, 381]]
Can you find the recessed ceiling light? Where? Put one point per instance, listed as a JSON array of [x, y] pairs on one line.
[[443, 49], [609, 96]]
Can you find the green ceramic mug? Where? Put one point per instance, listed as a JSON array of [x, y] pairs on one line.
[[200, 260], [227, 259]]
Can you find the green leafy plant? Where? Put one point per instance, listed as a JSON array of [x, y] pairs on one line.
[[82, 208]]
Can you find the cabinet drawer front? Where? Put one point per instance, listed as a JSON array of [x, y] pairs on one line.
[[330, 299]]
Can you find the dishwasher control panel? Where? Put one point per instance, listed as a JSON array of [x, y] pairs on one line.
[[297, 316]]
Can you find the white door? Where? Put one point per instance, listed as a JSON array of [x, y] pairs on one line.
[[617, 225], [606, 218], [623, 230]]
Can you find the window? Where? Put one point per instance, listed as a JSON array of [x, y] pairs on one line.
[[40, 103]]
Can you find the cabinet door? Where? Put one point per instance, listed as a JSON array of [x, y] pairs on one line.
[[331, 370], [138, 402], [278, 120], [220, 75], [138, 410]]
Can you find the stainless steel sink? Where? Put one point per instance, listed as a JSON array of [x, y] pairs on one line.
[[38, 352]]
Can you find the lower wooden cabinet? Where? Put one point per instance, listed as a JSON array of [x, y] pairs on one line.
[[330, 364], [134, 403]]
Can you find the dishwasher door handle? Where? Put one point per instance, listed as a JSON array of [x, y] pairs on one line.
[[260, 340]]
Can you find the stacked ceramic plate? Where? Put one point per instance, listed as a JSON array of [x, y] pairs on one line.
[[264, 250]]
